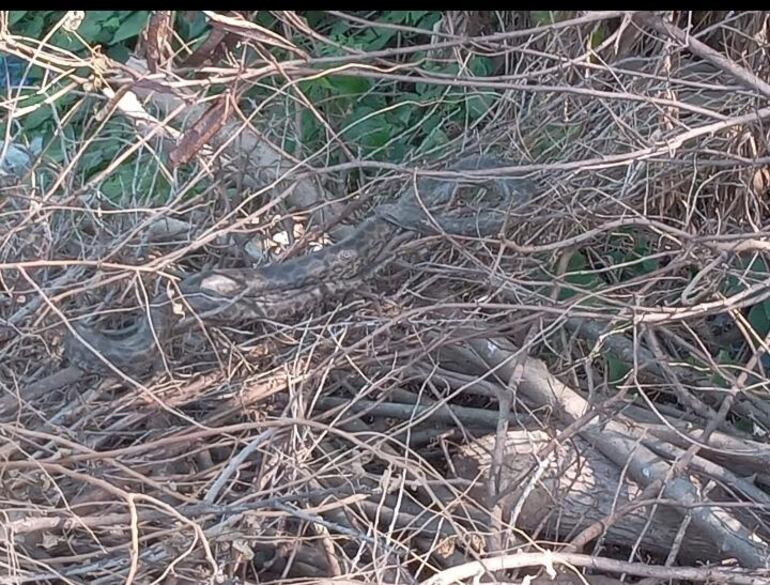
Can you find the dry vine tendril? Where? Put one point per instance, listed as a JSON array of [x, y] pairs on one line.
[[283, 291]]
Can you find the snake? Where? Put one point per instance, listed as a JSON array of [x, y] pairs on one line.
[[286, 291]]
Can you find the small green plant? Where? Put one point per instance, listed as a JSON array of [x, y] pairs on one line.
[[629, 255], [381, 123], [376, 119], [580, 276], [115, 30]]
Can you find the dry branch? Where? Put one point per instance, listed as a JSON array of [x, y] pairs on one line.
[[574, 487], [339, 448], [619, 443]]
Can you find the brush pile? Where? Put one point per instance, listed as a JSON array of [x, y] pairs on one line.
[[582, 396]]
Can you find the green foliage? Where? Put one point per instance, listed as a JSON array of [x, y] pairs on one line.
[[370, 38], [617, 369], [388, 125], [748, 271], [578, 274], [543, 17], [629, 251], [117, 30], [598, 35], [725, 359], [380, 120], [554, 137], [759, 318], [191, 24]]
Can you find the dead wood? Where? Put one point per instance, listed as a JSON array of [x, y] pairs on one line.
[[618, 441], [568, 490], [387, 436]]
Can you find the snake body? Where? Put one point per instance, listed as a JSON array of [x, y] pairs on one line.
[[287, 290]]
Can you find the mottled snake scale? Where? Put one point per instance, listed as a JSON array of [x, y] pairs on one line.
[[287, 290]]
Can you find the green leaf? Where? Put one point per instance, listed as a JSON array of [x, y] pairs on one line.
[[480, 66], [91, 26], [315, 89], [314, 18], [743, 425], [34, 27], [37, 117], [396, 16], [759, 318], [370, 130], [98, 157], [311, 129], [347, 84], [542, 17], [598, 36], [339, 30], [398, 150], [402, 114], [15, 16], [198, 25], [436, 138], [649, 265], [725, 359], [67, 41], [616, 369], [101, 15], [429, 20], [431, 123], [132, 26], [414, 16], [119, 53], [577, 262], [264, 18], [479, 104], [378, 39], [578, 275], [111, 24], [114, 187]]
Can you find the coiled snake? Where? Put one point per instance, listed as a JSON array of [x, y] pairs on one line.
[[284, 291]]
